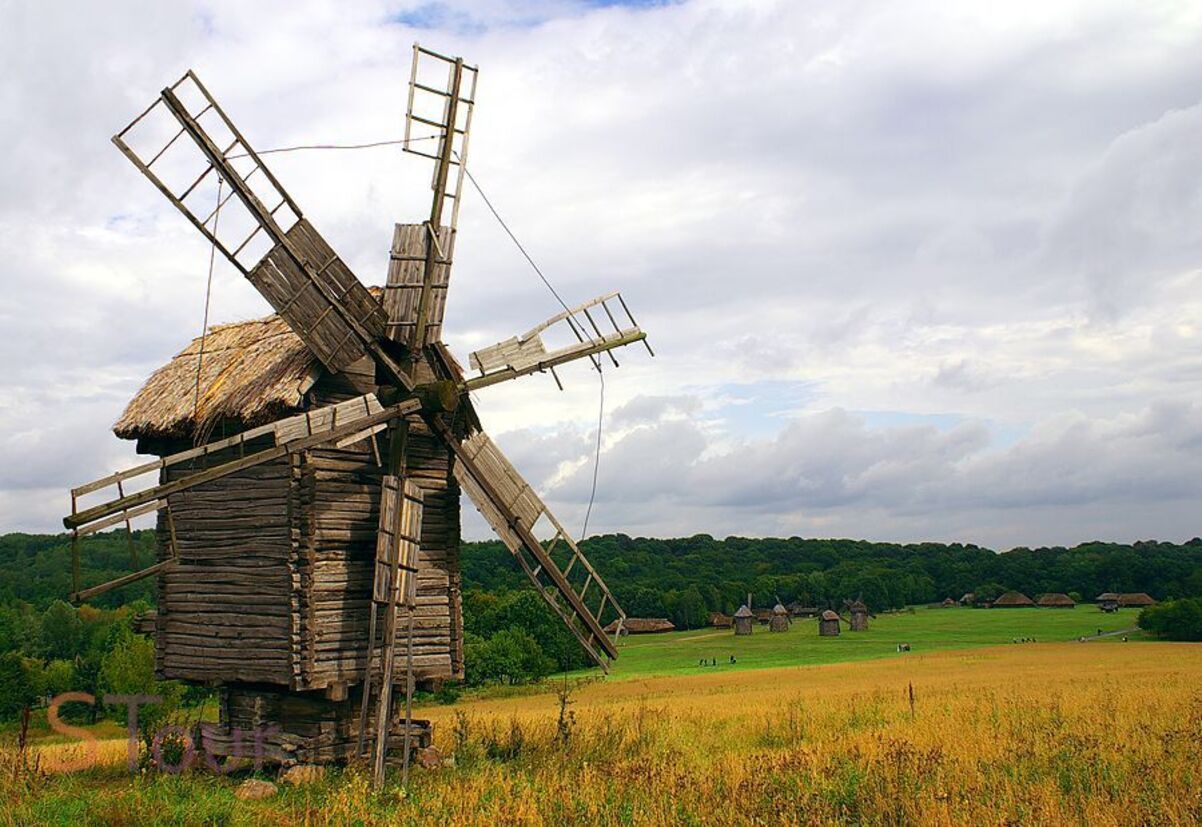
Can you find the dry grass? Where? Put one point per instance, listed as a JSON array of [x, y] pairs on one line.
[[1056, 733]]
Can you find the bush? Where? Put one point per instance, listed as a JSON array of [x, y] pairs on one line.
[[510, 656], [1174, 620]]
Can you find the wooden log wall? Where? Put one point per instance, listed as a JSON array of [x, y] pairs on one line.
[[303, 728], [339, 492], [274, 576], [224, 609]]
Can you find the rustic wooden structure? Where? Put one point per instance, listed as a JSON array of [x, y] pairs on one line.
[[780, 619], [744, 621], [721, 621], [828, 624], [1056, 600], [949, 603], [641, 626], [1108, 602], [307, 466], [858, 613], [1012, 600], [1129, 600]]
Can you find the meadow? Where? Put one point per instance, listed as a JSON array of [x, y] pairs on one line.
[[925, 629], [1048, 732]]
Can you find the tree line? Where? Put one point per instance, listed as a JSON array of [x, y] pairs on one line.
[[48, 646]]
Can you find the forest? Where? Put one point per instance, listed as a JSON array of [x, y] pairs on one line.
[[48, 646]]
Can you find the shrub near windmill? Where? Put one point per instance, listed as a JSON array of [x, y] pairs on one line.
[[307, 556]]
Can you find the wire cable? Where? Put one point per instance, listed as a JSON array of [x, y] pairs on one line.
[[596, 362], [204, 327], [597, 456]]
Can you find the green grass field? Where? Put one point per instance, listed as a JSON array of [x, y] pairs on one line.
[[926, 630]]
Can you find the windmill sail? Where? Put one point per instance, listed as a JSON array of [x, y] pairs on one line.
[[275, 246], [560, 571]]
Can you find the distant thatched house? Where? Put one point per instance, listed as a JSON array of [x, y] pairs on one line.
[[1108, 601], [642, 626], [859, 615], [744, 621], [948, 603], [1012, 600], [763, 616], [1056, 600], [828, 624], [797, 610], [780, 619], [720, 621], [968, 599], [1136, 599]]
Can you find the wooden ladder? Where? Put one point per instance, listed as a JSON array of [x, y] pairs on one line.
[[394, 583]]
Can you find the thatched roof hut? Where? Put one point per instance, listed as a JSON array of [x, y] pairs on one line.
[[796, 609], [744, 621], [1012, 600], [780, 619], [828, 624], [1136, 599], [1056, 600], [968, 599], [948, 603], [642, 626], [721, 621]]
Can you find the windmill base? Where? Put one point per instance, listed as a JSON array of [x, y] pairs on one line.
[[271, 726]]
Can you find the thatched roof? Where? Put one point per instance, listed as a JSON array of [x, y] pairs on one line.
[[1055, 599], [947, 601], [1136, 599], [829, 615], [643, 625], [744, 612], [778, 609], [251, 373], [857, 605], [1014, 599], [1106, 597]]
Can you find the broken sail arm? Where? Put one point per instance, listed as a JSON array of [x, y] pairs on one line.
[[528, 353], [345, 421]]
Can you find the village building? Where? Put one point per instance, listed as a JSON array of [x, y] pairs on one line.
[[859, 615], [1012, 600], [1136, 600], [1056, 600], [744, 621], [721, 621], [828, 624], [780, 619], [641, 626]]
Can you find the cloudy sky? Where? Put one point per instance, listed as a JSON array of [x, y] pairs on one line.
[[911, 270]]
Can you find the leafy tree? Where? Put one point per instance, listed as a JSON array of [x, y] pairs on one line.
[[509, 656], [62, 630], [18, 684], [1174, 620]]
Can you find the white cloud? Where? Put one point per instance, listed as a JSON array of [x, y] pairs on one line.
[[864, 216]]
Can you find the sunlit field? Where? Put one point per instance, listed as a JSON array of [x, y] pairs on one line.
[[1099, 732], [925, 629]]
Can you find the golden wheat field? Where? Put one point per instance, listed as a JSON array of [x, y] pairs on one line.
[[1048, 734]]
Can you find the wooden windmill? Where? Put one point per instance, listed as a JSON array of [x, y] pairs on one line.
[[309, 464]]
